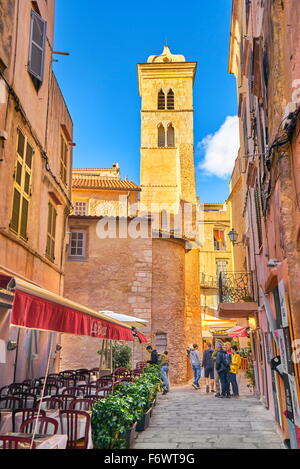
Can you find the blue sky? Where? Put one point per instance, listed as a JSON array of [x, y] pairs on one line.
[[99, 81]]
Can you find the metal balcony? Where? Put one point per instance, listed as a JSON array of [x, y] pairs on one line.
[[236, 287], [208, 281]]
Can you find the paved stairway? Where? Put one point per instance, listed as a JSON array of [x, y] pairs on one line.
[[187, 418]]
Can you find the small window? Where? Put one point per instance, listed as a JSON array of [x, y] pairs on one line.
[[171, 100], [219, 240], [161, 136], [161, 100], [80, 209], [63, 160], [37, 48], [170, 136], [77, 248], [161, 341], [221, 267], [51, 230]]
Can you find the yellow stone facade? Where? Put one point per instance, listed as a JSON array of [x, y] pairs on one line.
[[167, 173]]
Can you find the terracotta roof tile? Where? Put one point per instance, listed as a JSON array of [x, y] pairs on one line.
[[104, 183]]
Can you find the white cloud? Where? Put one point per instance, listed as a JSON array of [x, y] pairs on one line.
[[221, 149]]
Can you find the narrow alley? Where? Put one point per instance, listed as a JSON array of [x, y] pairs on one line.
[[186, 419]]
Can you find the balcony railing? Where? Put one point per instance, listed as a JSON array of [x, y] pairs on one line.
[[236, 287]]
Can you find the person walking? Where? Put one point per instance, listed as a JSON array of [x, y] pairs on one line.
[[236, 361], [218, 346], [154, 356], [208, 365], [196, 365], [164, 366], [223, 367]]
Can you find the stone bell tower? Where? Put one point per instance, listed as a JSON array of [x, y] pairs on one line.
[[167, 130]]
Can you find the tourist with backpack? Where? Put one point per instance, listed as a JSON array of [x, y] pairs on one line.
[[223, 361], [208, 365]]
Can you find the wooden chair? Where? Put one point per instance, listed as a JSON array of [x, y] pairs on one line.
[[76, 391], [67, 374], [82, 404], [66, 399], [88, 388], [18, 387], [51, 389], [43, 427], [103, 392], [24, 414], [28, 399], [121, 372], [69, 422], [16, 442], [51, 403], [11, 402], [4, 391]]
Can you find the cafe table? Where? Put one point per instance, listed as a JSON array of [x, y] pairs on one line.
[[43, 441]]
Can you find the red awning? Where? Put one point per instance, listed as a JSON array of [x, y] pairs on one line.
[[242, 332], [35, 308], [143, 339]]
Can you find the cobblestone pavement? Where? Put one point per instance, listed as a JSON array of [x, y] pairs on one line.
[[187, 418]]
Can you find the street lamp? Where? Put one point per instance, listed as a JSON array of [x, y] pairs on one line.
[[233, 236]]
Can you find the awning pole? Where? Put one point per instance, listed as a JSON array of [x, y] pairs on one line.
[[101, 357]]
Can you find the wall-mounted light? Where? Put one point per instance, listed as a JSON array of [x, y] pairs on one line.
[[12, 345], [233, 236]]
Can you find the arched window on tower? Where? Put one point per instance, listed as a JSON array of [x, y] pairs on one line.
[[171, 136], [161, 136], [161, 100], [171, 100]]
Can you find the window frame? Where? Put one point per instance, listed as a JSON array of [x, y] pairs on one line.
[[76, 256], [85, 202], [224, 239], [20, 187]]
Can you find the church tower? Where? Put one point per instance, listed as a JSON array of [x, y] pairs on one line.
[[167, 131]]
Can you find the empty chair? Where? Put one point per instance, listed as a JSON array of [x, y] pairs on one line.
[[104, 382], [28, 399], [4, 391], [103, 392], [66, 399], [81, 377], [67, 374], [36, 390], [75, 391], [76, 424], [45, 426], [68, 382], [82, 404], [50, 403], [11, 402], [16, 442], [18, 387], [20, 415], [121, 372], [51, 389], [88, 388]]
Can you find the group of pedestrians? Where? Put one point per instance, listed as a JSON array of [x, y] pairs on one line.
[[221, 366]]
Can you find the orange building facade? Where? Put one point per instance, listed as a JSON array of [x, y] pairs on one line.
[[36, 135], [265, 58]]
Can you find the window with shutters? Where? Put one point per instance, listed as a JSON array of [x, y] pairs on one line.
[[161, 136], [170, 136], [258, 215], [219, 240], [161, 100], [37, 48], [63, 160], [221, 267], [171, 100], [22, 187], [77, 248], [51, 230]]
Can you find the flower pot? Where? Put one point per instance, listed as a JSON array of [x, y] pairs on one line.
[[131, 435], [143, 423]]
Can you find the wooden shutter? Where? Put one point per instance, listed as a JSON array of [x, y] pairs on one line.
[[258, 215], [63, 160], [22, 187], [50, 247], [37, 46]]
